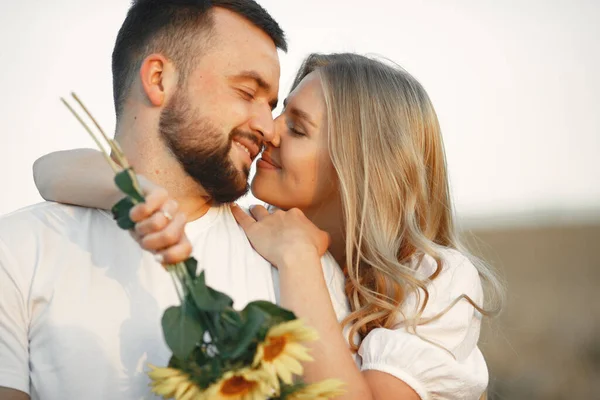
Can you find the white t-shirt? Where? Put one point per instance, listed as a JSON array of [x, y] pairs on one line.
[[451, 369], [81, 302]]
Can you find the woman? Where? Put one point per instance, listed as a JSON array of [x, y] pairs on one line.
[[360, 158]]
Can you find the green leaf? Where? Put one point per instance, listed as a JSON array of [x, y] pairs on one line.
[[192, 266], [278, 314], [120, 212], [208, 299], [222, 300], [255, 318], [124, 182], [231, 322], [182, 331]]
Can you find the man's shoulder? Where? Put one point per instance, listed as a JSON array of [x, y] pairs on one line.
[[47, 208], [48, 216]]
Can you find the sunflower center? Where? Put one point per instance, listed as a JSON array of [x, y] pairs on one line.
[[237, 385], [274, 348]]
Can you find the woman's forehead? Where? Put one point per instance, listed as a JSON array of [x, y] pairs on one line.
[[309, 91]]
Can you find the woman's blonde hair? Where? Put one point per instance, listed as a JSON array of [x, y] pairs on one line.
[[386, 146]]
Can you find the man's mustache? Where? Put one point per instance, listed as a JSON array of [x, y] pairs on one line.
[[250, 136]]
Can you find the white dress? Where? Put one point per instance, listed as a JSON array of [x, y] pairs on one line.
[[453, 367]]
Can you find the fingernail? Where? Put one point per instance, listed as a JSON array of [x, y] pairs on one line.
[[159, 258], [132, 210]]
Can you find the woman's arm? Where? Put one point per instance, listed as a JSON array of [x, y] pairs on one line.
[[81, 177], [304, 291], [292, 243], [303, 287]]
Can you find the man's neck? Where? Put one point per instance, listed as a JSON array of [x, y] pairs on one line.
[[150, 157]]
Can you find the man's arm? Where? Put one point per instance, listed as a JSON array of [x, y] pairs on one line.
[[12, 394]]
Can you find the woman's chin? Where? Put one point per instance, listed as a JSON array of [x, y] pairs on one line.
[[260, 190], [266, 194]]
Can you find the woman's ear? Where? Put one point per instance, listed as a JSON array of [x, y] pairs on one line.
[[158, 78]]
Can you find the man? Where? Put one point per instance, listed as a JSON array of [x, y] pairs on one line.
[[195, 83]]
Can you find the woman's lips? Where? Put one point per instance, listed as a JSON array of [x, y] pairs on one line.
[[266, 162]]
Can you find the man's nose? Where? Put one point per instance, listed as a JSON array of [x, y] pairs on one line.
[[263, 123]]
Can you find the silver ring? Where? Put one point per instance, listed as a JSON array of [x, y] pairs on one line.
[[167, 215]]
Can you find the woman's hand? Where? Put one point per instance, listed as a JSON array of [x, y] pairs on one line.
[[283, 235], [160, 226]]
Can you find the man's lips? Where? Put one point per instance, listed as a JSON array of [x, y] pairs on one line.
[[249, 145]]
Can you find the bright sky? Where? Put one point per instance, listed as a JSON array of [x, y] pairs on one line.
[[515, 84]]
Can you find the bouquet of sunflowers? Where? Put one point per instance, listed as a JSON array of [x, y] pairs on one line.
[[219, 352]]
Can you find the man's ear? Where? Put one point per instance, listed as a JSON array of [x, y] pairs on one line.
[[159, 78]]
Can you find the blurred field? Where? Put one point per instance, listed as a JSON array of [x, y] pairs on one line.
[[546, 344]]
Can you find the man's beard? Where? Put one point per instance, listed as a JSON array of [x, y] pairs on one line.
[[202, 150]]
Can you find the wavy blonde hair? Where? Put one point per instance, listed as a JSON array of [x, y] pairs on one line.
[[386, 146]]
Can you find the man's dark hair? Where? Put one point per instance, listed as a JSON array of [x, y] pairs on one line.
[[171, 27]]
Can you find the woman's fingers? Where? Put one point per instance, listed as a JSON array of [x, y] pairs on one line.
[[259, 212], [161, 243], [243, 219], [155, 200], [171, 235], [177, 253], [159, 220], [160, 227]]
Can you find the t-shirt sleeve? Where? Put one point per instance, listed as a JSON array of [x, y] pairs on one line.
[[443, 360], [14, 343]]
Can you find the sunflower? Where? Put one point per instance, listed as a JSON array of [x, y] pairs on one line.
[[323, 390], [171, 383], [244, 384], [282, 350]]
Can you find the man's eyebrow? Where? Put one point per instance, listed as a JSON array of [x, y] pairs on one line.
[[299, 113], [262, 84]]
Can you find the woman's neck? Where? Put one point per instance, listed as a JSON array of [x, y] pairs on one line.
[[329, 218]]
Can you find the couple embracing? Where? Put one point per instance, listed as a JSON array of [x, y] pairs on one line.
[[359, 238]]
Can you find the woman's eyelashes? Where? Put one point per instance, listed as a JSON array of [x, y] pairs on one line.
[[295, 130]]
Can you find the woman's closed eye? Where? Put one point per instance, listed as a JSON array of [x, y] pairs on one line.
[[295, 130]]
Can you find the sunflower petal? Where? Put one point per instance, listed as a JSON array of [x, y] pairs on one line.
[[193, 393], [162, 373]]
